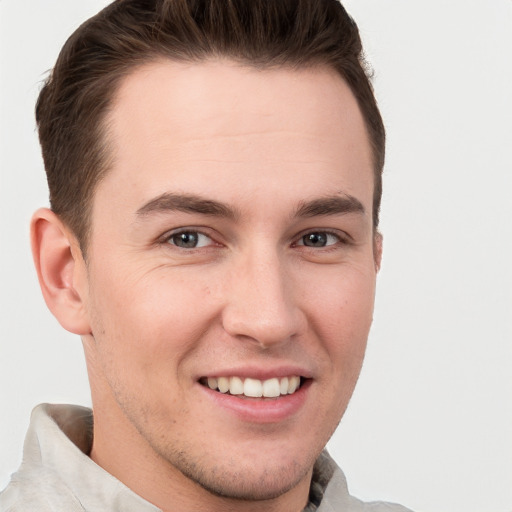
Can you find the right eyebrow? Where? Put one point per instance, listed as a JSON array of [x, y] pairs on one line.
[[187, 203]]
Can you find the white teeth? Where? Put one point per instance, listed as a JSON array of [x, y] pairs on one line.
[[223, 384], [283, 388], [236, 386], [270, 388], [253, 388], [293, 384]]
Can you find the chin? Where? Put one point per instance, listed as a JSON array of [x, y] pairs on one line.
[[229, 480]]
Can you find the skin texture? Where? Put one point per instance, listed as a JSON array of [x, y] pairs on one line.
[[251, 299]]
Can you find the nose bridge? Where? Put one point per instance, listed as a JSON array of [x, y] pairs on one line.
[[262, 304]]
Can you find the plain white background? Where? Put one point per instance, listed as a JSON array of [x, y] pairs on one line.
[[430, 424]]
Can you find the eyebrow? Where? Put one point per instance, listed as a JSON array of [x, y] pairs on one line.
[[331, 205], [187, 203], [190, 203]]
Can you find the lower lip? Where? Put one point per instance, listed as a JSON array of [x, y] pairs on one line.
[[270, 410]]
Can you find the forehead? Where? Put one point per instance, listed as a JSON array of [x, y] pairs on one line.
[[217, 124]]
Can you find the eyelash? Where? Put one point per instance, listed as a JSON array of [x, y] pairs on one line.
[[341, 239], [167, 239]]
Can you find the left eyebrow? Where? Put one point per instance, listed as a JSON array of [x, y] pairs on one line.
[[331, 205]]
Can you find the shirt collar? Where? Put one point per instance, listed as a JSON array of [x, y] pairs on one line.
[[59, 439]]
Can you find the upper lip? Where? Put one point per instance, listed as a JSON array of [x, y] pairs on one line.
[[260, 372]]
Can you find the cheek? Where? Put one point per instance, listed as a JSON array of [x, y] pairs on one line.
[[147, 320], [341, 303], [341, 316]]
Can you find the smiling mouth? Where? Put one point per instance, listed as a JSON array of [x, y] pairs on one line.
[[254, 388]]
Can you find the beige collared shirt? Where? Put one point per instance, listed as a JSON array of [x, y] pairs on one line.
[[57, 475]]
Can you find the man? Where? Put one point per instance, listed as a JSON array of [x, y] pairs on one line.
[[215, 180]]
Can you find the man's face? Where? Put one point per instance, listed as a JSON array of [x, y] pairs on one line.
[[231, 245]]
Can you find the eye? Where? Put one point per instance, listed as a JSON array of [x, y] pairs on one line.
[[319, 239], [189, 239]]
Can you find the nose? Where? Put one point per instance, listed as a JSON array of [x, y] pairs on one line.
[[262, 301]]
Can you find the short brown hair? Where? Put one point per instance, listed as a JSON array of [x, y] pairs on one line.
[[264, 33]]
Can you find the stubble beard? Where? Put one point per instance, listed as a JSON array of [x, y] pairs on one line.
[[230, 482]]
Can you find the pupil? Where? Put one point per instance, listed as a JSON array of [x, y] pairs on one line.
[[188, 240], [315, 240]]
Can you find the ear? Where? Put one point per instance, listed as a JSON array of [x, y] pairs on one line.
[[61, 271], [377, 250]]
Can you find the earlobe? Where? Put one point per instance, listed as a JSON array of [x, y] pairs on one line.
[[61, 271], [377, 250]]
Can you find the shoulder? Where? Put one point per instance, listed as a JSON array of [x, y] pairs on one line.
[[381, 506], [48, 454], [336, 496], [337, 499], [42, 491]]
